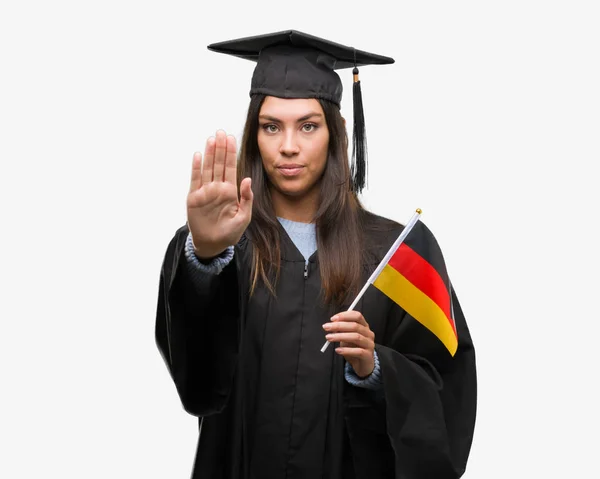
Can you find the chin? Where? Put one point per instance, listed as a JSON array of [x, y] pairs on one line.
[[294, 191]]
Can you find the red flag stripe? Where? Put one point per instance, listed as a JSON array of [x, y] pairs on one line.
[[423, 276]]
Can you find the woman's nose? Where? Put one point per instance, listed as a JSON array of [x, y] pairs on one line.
[[289, 144]]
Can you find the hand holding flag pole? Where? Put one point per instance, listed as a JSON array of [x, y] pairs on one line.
[[383, 262]]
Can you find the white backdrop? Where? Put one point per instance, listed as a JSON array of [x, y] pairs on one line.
[[488, 121]]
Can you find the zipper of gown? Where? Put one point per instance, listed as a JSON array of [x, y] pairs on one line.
[[287, 464]]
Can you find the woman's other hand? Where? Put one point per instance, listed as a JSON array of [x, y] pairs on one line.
[[357, 341]]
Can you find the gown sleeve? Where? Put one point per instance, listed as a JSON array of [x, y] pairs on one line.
[[430, 402], [197, 330], [421, 424]]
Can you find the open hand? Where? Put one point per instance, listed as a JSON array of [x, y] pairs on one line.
[[215, 216]]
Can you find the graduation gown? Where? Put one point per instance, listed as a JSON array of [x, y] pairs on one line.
[[272, 406]]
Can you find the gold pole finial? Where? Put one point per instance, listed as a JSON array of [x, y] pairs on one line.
[[419, 210]]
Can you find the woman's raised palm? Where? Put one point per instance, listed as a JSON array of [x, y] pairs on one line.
[[216, 218]]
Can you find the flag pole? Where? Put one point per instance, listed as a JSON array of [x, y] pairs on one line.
[[384, 261]]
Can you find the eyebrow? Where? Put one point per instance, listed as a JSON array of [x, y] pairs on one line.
[[304, 118]]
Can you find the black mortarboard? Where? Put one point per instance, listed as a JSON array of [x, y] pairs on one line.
[[292, 64]]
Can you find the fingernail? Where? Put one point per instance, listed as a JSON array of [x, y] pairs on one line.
[[335, 318], [329, 336], [326, 326]]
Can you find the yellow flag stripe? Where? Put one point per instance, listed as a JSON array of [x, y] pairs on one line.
[[416, 303]]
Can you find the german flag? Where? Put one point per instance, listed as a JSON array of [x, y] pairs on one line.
[[415, 278]]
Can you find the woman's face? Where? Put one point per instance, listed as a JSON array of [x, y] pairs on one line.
[[293, 140]]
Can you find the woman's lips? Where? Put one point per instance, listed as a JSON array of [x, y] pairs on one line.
[[290, 170]]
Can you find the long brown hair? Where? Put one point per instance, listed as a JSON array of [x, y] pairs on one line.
[[337, 219]]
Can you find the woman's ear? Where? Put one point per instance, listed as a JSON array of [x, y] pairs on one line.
[[344, 120]]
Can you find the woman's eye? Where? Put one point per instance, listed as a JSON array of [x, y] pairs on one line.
[[308, 127], [270, 128]]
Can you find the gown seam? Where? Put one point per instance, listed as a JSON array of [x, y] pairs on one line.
[[296, 381]]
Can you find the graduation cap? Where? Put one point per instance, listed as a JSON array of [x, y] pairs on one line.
[[292, 64]]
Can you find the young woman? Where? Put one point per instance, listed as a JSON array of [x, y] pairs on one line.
[[263, 273]]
